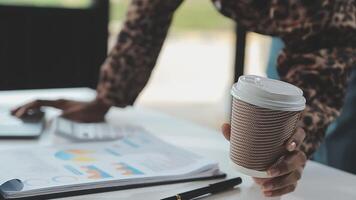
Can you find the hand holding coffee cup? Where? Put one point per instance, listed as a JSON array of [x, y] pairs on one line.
[[289, 168], [263, 130]]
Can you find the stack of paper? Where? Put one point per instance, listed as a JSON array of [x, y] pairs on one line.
[[139, 158]]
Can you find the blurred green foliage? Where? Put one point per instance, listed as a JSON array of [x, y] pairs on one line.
[[49, 3], [192, 15]]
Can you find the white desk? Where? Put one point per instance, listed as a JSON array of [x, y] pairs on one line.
[[318, 182]]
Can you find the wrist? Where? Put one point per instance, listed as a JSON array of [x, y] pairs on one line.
[[101, 104]]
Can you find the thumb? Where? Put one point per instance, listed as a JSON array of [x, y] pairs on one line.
[[225, 128]]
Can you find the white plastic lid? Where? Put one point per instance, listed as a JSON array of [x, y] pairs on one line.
[[268, 93]]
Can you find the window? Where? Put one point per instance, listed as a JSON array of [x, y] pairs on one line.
[[194, 73]]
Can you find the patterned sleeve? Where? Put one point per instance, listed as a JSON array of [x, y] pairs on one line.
[[129, 64], [316, 58], [323, 76], [271, 17]]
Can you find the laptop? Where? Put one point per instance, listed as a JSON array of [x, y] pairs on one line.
[[13, 128]]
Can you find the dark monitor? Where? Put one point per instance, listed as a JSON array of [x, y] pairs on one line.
[[52, 45]]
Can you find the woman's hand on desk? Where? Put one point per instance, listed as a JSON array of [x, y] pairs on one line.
[[93, 111], [287, 171]]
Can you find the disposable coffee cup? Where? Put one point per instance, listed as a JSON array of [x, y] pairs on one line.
[[264, 116]]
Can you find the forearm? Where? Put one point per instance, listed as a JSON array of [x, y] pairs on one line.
[[129, 64], [315, 122], [323, 76]]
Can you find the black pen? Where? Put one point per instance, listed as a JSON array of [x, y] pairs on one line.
[[211, 189]]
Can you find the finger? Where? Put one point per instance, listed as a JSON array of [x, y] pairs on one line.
[[296, 140], [225, 128], [59, 103], [21, 111], [74, 116], [288, 164], [261, 181], [13, 111], [280, 192], [80, 116], [283, 181]]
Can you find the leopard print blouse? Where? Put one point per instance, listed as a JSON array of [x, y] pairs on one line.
[[320, 38]]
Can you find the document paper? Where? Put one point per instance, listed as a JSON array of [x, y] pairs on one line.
[[139, 157]]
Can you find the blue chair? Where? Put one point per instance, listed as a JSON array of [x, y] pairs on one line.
[[339, 147]]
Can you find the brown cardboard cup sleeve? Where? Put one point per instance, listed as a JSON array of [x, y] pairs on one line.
[[264, 116]]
